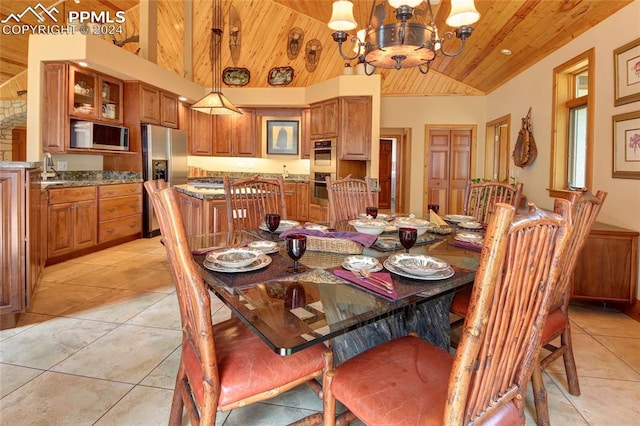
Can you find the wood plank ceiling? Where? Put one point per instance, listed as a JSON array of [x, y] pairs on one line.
[[531, 29]]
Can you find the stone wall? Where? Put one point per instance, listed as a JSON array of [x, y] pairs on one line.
[[13, 113]]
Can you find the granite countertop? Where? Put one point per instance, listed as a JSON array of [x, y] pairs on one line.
[[91, 178], [20, 164], [201, 193]]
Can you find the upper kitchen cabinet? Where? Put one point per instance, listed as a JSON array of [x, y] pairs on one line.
[[305, 143], [235, 135], [348, 120], [200, 134], [93, 96], [324, 119], [354, 142], [158, 106]]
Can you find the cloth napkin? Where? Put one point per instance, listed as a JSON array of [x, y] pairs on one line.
[[464, 244], [385, 276], [366, 240]]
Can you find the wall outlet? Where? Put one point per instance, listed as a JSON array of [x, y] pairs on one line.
[[62, 166]]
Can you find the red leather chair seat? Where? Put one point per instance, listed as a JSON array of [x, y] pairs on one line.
[[460, 304], [404, 381], [554, 325], [247, 366]]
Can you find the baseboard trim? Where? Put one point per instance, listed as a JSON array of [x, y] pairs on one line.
[[632, 310]]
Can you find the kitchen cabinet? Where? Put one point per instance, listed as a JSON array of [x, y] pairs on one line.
[[200, 142], [119, 211], [318, 213], [72, 220], [55, 127], [94, 96], [607, 268], [305, 142], [21, 236], [346, 119], [203, 216], [158, 106], [324, 119], [235, 135], [296, 197]]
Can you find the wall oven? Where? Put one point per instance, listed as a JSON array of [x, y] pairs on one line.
[[319, 194], [323, 156]]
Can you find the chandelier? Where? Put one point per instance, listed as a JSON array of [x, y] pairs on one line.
[[412, 41], [215, 102]]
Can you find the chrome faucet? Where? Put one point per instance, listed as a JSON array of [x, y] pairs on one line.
[[48, 170]]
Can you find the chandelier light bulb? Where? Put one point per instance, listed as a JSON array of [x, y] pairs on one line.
[[411, 3], [342, 16], [463, 13]]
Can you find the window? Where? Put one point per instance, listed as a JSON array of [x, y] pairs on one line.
[[572, 150]]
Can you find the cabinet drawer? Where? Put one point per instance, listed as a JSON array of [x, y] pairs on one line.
[[119, 190], [112, 208], [71, 195], [118, 228]]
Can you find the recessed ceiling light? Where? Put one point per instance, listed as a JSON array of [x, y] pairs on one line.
[[182, 98], [506, 52], [83, 64]]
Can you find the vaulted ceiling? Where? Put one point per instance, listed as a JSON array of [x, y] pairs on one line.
[[531, 29]]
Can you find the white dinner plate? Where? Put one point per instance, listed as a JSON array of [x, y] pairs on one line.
[[441, 275], [469, 237], [234, 257], [417, 264], [357, 262], [262, 262], [284, 226], [470, 225], [458, 218], [267, 247]]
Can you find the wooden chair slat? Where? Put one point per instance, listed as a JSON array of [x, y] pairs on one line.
[[348, 197], [249, 199]]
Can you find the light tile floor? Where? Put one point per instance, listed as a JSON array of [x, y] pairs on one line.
[[100, 345]]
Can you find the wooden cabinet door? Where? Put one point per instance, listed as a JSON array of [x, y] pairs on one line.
[[222, 135], [149, 104], [305, 139], [192, 212], [318, 213], [290, 200], [110, 95], [85, 225], [184, 118], [83, 94], [316, 121], [331, 116], [355, 128], [169, 110], [60, 229], [11, 240], [55, 127], [200, 141], [302, 200], [244, 142]]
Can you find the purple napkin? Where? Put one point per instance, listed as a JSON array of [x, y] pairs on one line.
[[376, 288], [466, 245], [366, 240]]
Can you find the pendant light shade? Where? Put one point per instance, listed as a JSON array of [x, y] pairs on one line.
[[215, 103]]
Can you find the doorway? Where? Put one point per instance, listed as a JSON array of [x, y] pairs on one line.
[[449, 154], [496, 154], [393, 179]]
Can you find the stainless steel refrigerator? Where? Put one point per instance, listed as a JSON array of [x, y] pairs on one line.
[[164, 156]]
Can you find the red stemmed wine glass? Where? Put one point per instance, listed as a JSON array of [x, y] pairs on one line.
[[372, 211], [273, 221], [296, 246], [408, 237]]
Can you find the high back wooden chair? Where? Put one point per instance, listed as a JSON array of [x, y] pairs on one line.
[[480, 198], [582, 213], [348, 197], [249, 199], [410, 381], [222, 366]]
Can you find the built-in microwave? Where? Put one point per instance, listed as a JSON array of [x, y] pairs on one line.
[[324, 156], [90, 135]]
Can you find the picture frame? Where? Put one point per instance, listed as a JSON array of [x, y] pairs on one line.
[[626, 145], [626, 65], [282, 137]]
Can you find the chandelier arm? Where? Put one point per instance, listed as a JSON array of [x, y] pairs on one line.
[[424, 70], [368, 66], [449, 35], [340, 37]]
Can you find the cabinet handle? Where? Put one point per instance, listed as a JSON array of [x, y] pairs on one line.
[[133, 225], [133, 205], [111, 209], [110, 192], [110, 231]]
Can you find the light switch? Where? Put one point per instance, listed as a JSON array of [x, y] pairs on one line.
[[62, 166]]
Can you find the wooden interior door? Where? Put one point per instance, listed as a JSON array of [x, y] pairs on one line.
[[448, 169], [384, 174], [19, 144]]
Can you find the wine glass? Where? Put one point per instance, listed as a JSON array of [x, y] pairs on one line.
[[272, 221], [372, 211], [408, 237], [296, 246]]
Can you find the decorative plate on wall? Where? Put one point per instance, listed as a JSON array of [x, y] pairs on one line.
[[280, 76], [236, 76]]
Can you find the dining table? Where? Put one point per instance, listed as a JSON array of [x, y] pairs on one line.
[[292, 311]]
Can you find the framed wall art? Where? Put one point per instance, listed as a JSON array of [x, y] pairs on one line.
[[626, 65], [626, 145], [282, 137]]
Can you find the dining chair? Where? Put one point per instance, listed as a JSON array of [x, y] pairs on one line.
[[249, 199], [583, 210], [223, 366], [480, 198], [348, 197], [409, 381]]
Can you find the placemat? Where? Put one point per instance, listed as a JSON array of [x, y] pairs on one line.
[[406, 287], [392, 242], [277, 269], [463, 244]]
